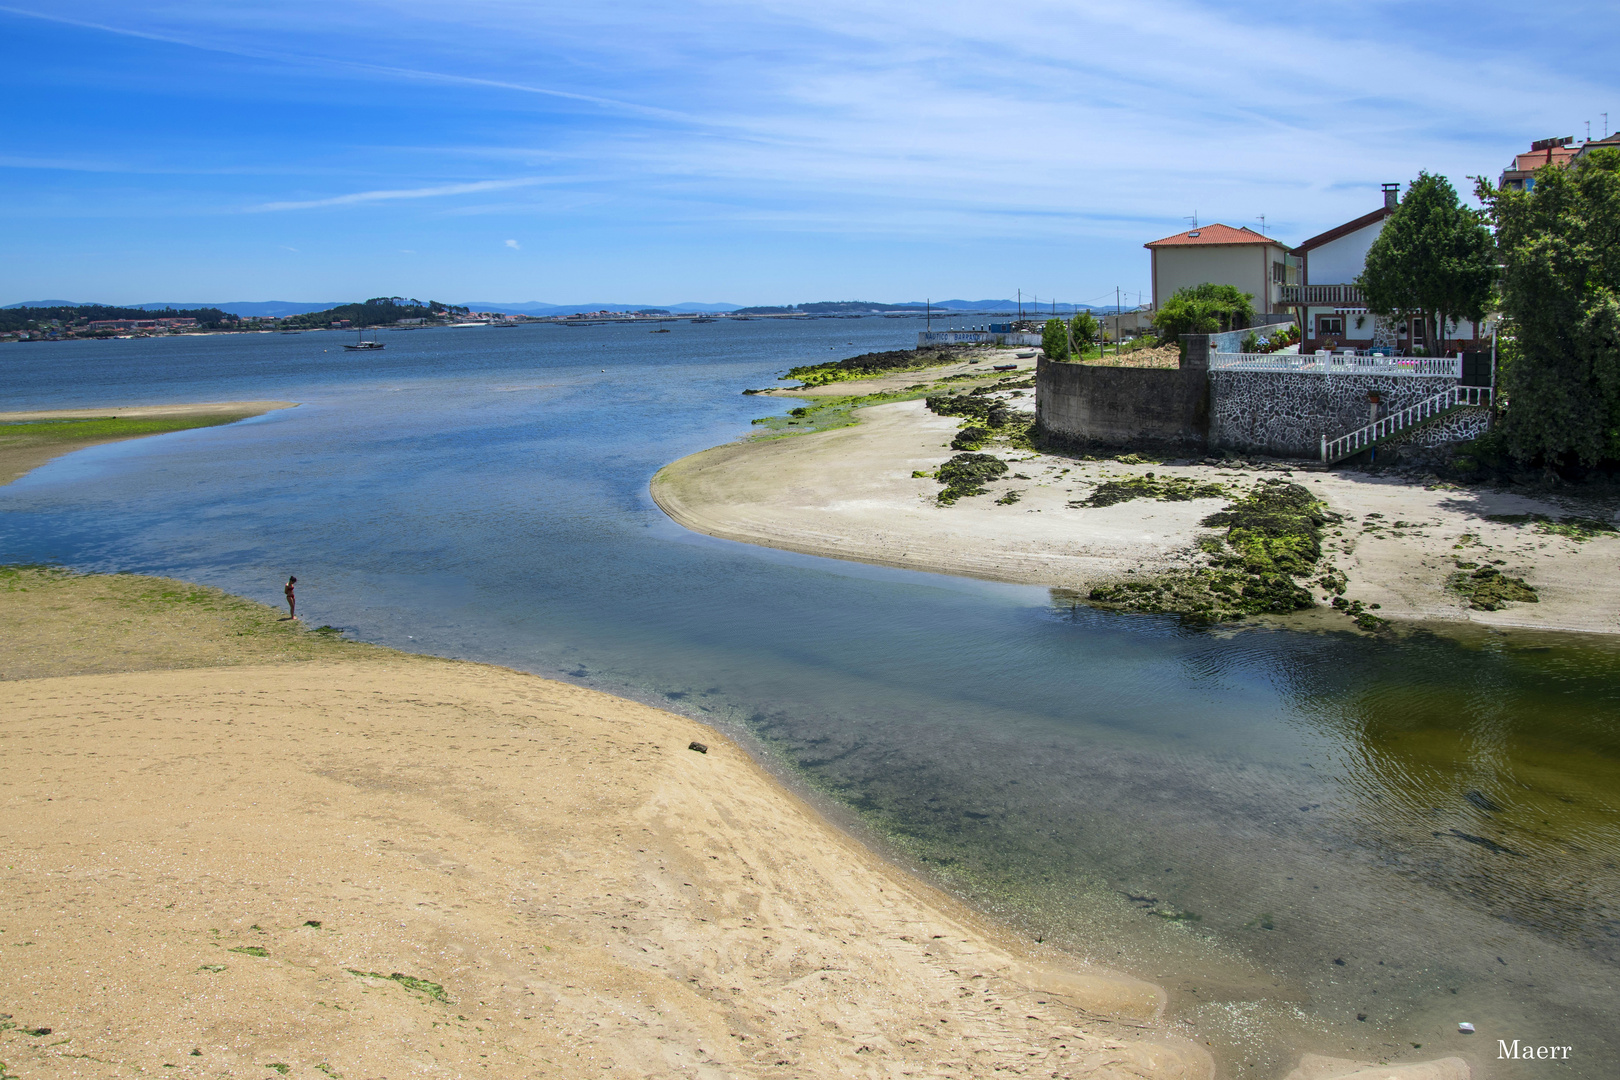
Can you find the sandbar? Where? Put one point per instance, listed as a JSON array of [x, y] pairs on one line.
[[851, 493], [21, 452]]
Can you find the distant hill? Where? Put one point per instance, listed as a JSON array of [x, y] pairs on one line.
[[246, 309]]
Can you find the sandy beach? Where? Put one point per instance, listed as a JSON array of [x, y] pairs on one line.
[[22, 450], [260, 845], [851, 493]]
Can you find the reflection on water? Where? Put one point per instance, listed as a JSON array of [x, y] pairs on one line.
[[1291, 830]]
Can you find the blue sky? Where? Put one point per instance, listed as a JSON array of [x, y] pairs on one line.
[[761, 152]]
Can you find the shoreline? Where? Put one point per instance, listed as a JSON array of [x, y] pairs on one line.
[[405, 862], [865, 493], [23, 451]]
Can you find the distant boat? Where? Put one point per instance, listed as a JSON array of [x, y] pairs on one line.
[[362, 345], [702, 320], [660, 330]]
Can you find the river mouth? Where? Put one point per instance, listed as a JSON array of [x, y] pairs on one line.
[[1288, 829]]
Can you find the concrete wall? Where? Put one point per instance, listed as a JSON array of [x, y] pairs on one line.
[[1112, 406], [1286, 413]]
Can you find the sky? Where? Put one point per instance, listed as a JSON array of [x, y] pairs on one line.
[[751, 153]]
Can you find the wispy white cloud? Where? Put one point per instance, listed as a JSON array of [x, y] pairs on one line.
[[388, 194], [514, 245]]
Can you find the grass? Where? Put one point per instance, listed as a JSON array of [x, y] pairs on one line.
[[251, 950], [109, 427], [410, 982]]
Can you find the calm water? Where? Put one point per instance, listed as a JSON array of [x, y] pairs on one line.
[[1288, 829]]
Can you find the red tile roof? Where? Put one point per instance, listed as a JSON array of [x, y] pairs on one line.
[[1214, 235]]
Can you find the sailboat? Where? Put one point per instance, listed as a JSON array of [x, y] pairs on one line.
[[362, 345]]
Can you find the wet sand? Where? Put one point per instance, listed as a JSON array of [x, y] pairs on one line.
[[850, 493], [20, 453]]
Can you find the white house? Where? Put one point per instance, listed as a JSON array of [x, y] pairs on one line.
[[1331, 310]]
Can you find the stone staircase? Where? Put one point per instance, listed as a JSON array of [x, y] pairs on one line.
[[1424, 412]]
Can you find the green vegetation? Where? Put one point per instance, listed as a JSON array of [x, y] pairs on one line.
[[1273, 535], [1084, 330], [868, 365], [1433, 261], [971, 438], [1055, 339], [378, 311], [966, 474], [251, 950], [1578, 529], [1488, 589], [1560, 249], [13, 320], [107, 427], [410, 982], [212, 969], [1165, 489], [1203, 309], [280, 1066]]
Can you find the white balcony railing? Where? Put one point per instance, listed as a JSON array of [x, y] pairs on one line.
[[1322, 363]]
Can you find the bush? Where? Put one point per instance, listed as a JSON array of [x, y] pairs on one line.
[[1055, 340], [1203, 309]]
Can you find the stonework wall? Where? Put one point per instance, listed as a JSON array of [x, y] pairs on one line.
[[1286, 413], [1455, 427]]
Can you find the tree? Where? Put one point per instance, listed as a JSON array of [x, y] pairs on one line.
[[1560, 249], [1055, 340], [1433, 260], [1083, 330], [1203, 309]]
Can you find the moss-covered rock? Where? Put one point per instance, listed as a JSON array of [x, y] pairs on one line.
[[966, 474]]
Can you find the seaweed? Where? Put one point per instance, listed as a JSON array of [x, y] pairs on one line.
[[970, 438], [1165, 489], [1570, 526], [1488, 589], [966, 474], [410, 982]]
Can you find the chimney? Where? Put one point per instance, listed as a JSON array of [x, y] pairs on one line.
[[1392, 195]]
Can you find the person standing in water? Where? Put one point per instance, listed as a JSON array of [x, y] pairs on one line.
[[292, 601]]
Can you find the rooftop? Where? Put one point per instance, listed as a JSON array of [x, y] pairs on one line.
[[1214, 235]]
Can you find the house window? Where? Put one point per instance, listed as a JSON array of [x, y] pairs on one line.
[[1329, 326]]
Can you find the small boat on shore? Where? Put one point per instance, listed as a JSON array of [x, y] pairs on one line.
[[1006, 367], [1026, 355]]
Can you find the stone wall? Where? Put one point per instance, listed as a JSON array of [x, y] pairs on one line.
[[1115, 406], [1286, 413]]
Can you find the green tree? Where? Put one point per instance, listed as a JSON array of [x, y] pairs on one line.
[[1055, 340], [1433, 260], [1560, 250], [1083, 330], [1203, 309]]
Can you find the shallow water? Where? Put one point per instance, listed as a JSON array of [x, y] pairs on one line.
[[1230, 812]]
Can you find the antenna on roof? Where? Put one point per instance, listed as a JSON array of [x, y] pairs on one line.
[[1193, 219], [1605, 125], [1262, 220], [1589, 131]]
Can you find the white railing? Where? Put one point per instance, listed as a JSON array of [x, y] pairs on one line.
[[1453, 397], [1323, 363]]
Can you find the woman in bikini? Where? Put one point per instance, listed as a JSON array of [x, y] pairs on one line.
[[292, 601]]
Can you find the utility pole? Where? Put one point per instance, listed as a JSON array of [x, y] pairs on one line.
[[929, 307], [1020, 305], [1119, 327]]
